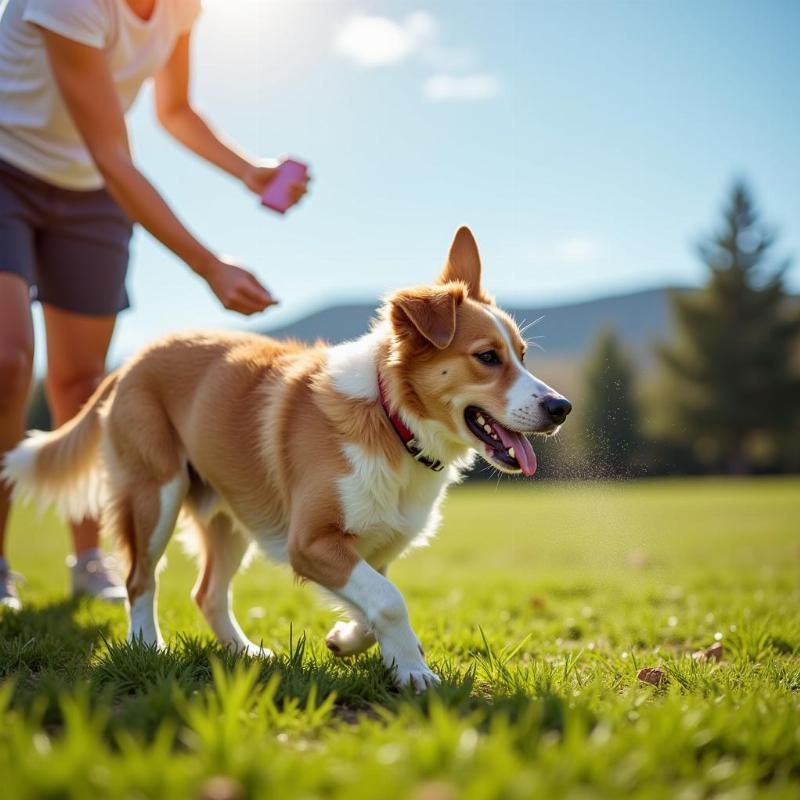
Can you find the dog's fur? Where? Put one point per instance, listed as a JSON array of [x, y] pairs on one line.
[[288, 446]]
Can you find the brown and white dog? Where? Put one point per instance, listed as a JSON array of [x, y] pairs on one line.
[[306, 451]]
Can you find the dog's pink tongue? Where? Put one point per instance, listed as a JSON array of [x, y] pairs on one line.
[[522, 449]]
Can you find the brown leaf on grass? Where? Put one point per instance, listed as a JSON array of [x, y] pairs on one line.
[[436, 790], [713, 653], [652, 675], [637, 559], [538, 602], [221, 788]]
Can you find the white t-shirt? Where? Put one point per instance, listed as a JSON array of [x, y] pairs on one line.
[[37, 134]]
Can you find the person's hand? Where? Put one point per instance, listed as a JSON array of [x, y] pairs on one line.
[[236, 288], [258, 176]]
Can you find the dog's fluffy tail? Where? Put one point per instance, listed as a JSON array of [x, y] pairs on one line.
[[62, 468]]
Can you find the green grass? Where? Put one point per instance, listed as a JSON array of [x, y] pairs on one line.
[[537, 604]]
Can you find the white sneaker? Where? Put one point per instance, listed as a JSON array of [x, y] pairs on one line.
[[9, 598], [95, 575]]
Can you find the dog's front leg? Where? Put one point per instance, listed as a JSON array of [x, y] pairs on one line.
[[329, 559], [349, 638], [384, 609], [353, 636]]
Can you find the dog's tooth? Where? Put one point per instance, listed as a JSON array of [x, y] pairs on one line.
[[487, 428], [511, 452], [481, 419]]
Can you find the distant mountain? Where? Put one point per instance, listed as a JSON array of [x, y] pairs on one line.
[[565, 330]]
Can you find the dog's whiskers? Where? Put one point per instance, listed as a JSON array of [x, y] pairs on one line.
[[533, 343], [527, 326]]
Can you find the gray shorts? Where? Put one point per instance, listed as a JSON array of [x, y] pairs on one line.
[[71, 247]]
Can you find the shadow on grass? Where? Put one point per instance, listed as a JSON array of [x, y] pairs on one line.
[[41, 638], [45, 651], [50, 653]]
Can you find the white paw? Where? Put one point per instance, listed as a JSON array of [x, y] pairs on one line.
[[253, 650], [148, 641], [349, 638], [402, 652], [419, 677]]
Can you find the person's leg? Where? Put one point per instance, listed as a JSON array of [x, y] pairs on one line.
[[16, 365], [77, 345]]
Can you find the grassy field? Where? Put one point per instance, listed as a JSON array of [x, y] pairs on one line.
[[537, 604]]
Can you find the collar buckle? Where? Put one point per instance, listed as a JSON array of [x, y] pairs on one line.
[[406, 436], [416, 451]]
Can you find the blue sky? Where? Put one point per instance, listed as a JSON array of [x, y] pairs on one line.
[[588, 145]]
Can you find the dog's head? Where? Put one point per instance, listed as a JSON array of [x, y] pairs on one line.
[[459, 366]]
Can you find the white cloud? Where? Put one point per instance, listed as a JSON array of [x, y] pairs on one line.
[[478, 86], [572, 250], [578, 250], [373, 41]]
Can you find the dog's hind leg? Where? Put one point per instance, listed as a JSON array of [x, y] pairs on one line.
[[224, 548], [152, 514]]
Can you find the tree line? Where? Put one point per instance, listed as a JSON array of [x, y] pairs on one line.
[[724, 394]]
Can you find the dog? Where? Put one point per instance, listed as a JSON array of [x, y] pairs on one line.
[[333, 459]]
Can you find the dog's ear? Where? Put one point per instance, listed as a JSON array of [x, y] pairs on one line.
[[429, 311], [464, 263]]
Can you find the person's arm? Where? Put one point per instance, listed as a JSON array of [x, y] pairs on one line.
[[84, 79], [180, 119]]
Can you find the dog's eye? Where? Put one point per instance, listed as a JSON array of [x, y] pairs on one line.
[[488, 357]]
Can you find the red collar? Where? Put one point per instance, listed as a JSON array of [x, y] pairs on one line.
[[406, 436]]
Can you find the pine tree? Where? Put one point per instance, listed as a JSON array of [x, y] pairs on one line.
[[610, 414], [729, 382]]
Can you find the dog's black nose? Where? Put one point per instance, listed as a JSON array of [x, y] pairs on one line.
[[557, 408]]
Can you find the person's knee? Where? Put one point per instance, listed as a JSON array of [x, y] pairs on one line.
[[69, 391], [16, 367]]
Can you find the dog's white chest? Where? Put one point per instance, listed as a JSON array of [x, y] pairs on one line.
[[385, 507]]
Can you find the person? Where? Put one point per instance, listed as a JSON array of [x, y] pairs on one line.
[[69, 195]]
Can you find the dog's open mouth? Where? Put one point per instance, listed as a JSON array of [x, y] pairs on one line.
[[502, 446]]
